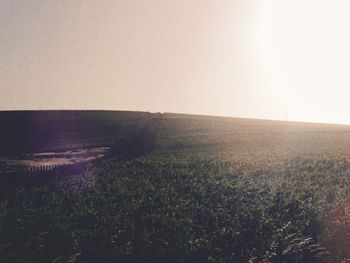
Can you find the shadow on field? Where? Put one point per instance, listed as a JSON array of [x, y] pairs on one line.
[[137, 143]]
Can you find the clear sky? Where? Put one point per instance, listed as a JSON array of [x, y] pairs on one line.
[[243, 58]]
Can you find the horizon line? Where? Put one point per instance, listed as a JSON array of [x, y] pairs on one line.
[[179, 113]]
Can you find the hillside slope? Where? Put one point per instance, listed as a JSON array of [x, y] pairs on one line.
[[37, 131]]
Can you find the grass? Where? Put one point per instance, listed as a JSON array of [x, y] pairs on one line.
[[209, 189]]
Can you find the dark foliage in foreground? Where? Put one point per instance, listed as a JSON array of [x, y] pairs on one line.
[[183, 211]]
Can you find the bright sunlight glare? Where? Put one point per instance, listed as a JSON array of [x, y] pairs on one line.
[[306, 46]]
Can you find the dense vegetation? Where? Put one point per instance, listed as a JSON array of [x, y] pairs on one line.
[[176, 188], [166, 209]]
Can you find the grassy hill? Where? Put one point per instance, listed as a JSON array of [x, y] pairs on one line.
[[189, 189], [36, 131], [178, 134], [242, 138]]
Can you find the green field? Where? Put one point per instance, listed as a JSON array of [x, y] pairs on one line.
[[38, 131], [177, 188]]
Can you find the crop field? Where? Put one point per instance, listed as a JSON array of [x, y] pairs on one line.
[[104, 186]]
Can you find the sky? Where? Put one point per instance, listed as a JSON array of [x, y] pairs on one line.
[[269, 59]]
